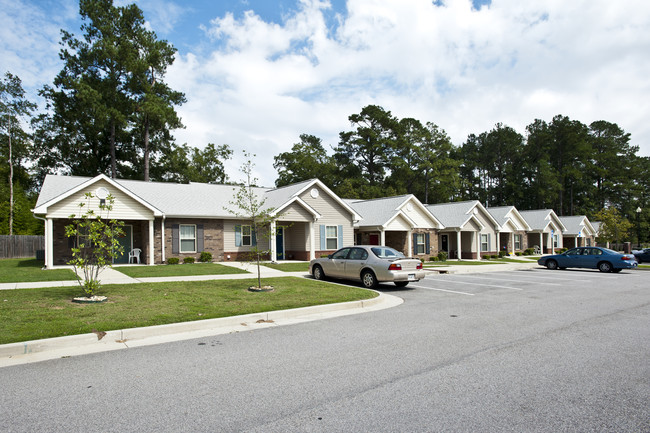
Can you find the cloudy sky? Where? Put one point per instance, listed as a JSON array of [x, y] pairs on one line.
[[258, 73]]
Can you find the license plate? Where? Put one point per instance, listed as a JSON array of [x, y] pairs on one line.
[[411, 277]]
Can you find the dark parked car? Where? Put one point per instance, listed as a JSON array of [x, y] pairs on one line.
[[643, 255], [603, 259], [368, 264]]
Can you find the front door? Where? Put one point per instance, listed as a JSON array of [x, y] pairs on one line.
[[126, 242], [279, 243], [444, 241], [373, 239]]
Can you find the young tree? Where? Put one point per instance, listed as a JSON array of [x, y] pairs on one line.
[[95, 241], [249, 205], [613, 226]]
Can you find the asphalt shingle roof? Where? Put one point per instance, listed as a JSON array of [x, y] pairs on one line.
[[453, 214]]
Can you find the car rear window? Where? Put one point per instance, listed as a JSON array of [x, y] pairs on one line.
[[387, 253]]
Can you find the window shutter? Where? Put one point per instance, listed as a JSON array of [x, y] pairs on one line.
[[322, 237], [340, 243], [175, 239], [253, 237], [489, 245], [238, 236], [199, 237], [427, 245], [415, 244]]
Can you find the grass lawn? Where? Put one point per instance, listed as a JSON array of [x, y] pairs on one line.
[[644, 267], [178, 270], [29, 270], [288, 267], [31, 314]]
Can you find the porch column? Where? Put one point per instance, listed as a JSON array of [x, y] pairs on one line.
[[512, 242], [274, 253], [312, 252], [541, 242], [162, 239], [409, 243], [150, 260], [498, 242], [477, 242], [459, 251], [49, 244], [382, 237]]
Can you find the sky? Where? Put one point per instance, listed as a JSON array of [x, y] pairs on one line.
[[258, 73]]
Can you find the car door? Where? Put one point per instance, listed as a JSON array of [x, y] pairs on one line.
[[570, 259], [336, 265], [355, 261], [591, 257]]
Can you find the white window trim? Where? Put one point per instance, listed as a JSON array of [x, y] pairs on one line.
[[556, 241], [181, 239], [487, 246], [335, 237], [518, 240], [249, 235], [420, 237]]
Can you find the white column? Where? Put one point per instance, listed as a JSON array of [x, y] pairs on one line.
[[382, 237], [541, 242], [162, 239], [409, 243], [150, 260], [274, 253], [312, 250], [49, 244], [512, 242], [477, 242], [498, 242], [459, 249]]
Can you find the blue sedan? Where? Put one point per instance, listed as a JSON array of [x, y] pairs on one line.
[[603, 259]]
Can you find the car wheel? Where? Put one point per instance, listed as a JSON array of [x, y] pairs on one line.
[[318, 273], [605, 267], [368, 279], [401, 283], [551, 264]]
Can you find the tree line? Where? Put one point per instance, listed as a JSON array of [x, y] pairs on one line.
[[109, 110]]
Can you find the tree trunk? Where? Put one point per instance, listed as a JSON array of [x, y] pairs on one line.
[[146, 148], [113, 157], [11, 185]]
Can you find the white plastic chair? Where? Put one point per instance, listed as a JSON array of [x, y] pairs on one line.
[[134, 254]]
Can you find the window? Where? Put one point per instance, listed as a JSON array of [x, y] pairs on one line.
[[588, 242], [341, 254], [419, 243], [331, 237], [517, 242], [556, 241], [246, 236], [358, 254], [187, 237], [485, 245]]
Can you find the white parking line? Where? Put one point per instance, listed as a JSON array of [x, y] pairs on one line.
[[516, 281], [443, 290], [479, 284], [540, 276], [578, 271]]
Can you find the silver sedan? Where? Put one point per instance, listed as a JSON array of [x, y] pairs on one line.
[[369, 264]]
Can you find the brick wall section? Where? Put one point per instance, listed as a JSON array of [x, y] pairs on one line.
[[212, 239]]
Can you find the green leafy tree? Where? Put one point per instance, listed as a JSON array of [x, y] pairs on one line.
[[184, 164], [307, 159], [613, 226], [249, 205], [95, 241]]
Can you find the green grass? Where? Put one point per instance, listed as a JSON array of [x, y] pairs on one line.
[[644, 267], [288, 267], [178, 270], [31, 314], [30, 270]]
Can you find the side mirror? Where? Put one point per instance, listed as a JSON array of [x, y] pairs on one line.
[[329, 256]]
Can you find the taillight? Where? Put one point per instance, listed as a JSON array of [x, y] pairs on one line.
[[627, 258], [419, 266], [395, 267]]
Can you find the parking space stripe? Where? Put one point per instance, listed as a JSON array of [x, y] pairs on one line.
[[443, 290], [516, 281], [468, 283]]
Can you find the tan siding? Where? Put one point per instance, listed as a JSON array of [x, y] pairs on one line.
[[295, 237], [422, 220], [295, 212], [124, 207], [332, 214], [400, 224], [229, 237]]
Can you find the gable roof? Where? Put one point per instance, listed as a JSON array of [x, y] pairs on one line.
[[379, 212], [459, 213], [539, 219], [504, 214], [179, 200], [578, 225]]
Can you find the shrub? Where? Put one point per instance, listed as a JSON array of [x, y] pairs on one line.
[[502, 254], [433, 259], [486, 257], [442, 256], [205, 257], [529, 251], [518, 253], [172, 261], [494, 256], [188, 260]]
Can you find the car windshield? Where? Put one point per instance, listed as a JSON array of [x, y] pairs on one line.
[[387, 253]]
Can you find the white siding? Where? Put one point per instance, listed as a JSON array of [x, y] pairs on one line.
[[124, 208], [295, 212], [421, 219], [399, 224]]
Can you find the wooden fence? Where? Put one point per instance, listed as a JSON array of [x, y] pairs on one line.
[[18, 246]]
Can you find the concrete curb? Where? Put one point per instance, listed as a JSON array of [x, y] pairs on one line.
[[52, 348]]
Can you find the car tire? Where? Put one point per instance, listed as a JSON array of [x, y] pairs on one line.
[[551, 264], [401, 283], [368, 279], [318, 273], [605, 267]]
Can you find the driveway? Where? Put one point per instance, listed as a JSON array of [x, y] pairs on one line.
[[530, 350]]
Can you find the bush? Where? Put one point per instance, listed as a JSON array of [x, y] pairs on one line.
[[188, 260], [502, 254], [205, 257], [529, 251], [486, 257], [518, 253], [442, 256], [494, 256], [172, 261], [433, 259]]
